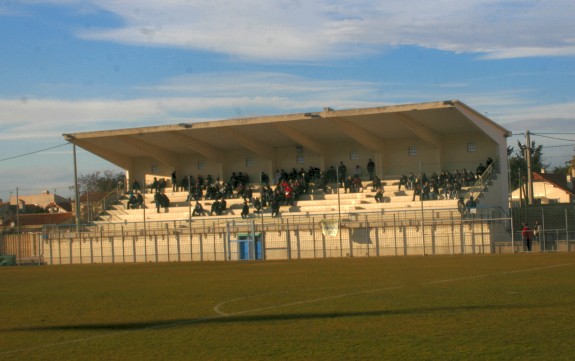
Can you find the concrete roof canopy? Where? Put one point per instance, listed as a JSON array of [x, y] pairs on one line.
[[370, 126]]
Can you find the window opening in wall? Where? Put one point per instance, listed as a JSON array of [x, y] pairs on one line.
[[201, 165], [300, 159], [471, 147], [353, 155], [249, 162], [412, 151]]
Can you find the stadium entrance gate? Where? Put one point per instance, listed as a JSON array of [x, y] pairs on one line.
[[244, 243]]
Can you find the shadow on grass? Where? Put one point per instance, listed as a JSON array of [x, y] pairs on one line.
[[219, 319]]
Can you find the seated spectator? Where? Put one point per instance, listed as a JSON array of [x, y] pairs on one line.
[[425, 192], [348, 184], [357, 186], [379, 195], [162, 184], [216, 208], [376, 183], [402, 182], [223, 206], [257, 205], [132, 201], [412, 180], [198, 210]]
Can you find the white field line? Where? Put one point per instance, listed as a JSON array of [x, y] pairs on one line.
[[221, 314]]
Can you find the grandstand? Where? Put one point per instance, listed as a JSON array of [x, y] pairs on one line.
[[325, 221]]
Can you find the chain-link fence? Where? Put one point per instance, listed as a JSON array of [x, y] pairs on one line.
[[556, 230], [370, 234]]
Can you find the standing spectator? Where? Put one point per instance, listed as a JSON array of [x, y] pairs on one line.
[[135, 186], [162, 185], [341, 173], [158, 201], [174, 182], [245, 210], [264, 178], [461, 206], [526, 234], [140, 200], [257, 205], [154, 186], [275, 206], [370, 168], [165, 202], [471, 205], [161, 200], [357, 171]]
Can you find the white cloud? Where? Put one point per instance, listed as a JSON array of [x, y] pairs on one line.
[[299, 30], [244, 94], [220, 95]]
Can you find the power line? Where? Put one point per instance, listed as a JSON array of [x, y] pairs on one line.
[[34, 152], [557, 146], [544, 136]]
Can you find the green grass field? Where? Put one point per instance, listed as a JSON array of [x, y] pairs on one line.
[[480, 307]]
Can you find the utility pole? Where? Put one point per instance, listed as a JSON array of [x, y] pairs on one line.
[[529, 173]]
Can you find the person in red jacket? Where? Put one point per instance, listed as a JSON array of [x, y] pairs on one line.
[[527, 235]]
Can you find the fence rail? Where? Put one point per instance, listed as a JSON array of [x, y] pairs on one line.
[[369, 234]]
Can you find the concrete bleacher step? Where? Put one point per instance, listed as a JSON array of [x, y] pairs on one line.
[[314, 202]]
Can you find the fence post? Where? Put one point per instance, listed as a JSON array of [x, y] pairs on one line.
[[288, 241], [567, 232], [134, 252], [323, 242], [202, 245], [177, 234], [156, 247], [123, 241], [298, 244], [168, 239], [102, 247], [394, 234], [462, 237], [113, 245], [432, 228], [313, 235]]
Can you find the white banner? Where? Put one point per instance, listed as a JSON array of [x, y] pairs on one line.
[[329, 227]]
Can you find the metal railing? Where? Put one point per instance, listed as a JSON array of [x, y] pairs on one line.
[[405, 232], [90, 211], [481, 183]]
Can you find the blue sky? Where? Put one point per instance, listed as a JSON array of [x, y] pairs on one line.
[[79, 65]]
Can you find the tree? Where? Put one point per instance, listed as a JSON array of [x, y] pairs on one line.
[[100, 182], [518, 164]]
